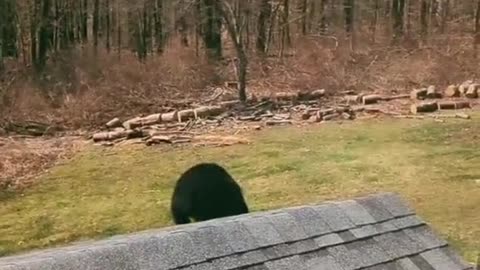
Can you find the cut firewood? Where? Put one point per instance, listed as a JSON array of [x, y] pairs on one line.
[[454, 105], [169, 117], [424, 107], [231, 84], [249, 118], [142, 121], [370, 99], [284, 96], [229, 103], [353, 99], [418, 93], [277, 122], [348, 116], [115, 122], [432, 92], [111, 135], [463, 88], [330, 117], [452, 91], [472, 91], [186, 114], [310, 95], [159, 139], [390, 98], [206, 111], [306, 115]]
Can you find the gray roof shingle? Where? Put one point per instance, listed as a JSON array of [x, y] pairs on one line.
[[375, 232]]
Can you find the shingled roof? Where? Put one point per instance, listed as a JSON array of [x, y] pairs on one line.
[[374, 232]]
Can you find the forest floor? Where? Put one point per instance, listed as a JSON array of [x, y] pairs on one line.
[[85, 191]]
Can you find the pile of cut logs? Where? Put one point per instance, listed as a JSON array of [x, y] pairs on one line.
[[277, 109], [426, 100], [175, 126]]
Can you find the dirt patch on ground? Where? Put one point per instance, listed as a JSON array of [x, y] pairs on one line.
[[24, 158]]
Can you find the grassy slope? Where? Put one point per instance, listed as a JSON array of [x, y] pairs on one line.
[[109, 191]]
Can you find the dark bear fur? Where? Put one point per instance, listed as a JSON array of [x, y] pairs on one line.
[[206, 191]]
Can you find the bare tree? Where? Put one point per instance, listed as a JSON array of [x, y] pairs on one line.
[[234, 26]]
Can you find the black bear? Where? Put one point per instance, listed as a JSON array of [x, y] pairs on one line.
[[206, 191]]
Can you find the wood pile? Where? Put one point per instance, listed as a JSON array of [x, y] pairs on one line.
[[192, 122], [176, 126]]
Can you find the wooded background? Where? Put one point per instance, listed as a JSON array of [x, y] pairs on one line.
[[64, 48]]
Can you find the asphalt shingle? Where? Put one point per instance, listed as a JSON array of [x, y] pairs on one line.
[[287, 227], [364, 231], [439, 260], [263, 231], [425, 236], [211, 241], [310, 220], [356, 212], [238, 236], [370, 233], [334, 216], [375, 207]]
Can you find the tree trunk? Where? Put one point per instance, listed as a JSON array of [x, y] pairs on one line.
[[158, 26], [398, 14], [348, 8], [424, 18], [84, 23], [286, 41], [211, 25], [263, 16], [303, 8], [8, 29], [373, 27], [96, 23], [476, 38], [119, 29], [445, 15], [234, 28], [108, 23], [44, 35], [323, 17]]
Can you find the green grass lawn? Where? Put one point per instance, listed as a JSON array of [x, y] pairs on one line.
[[107, 191]]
